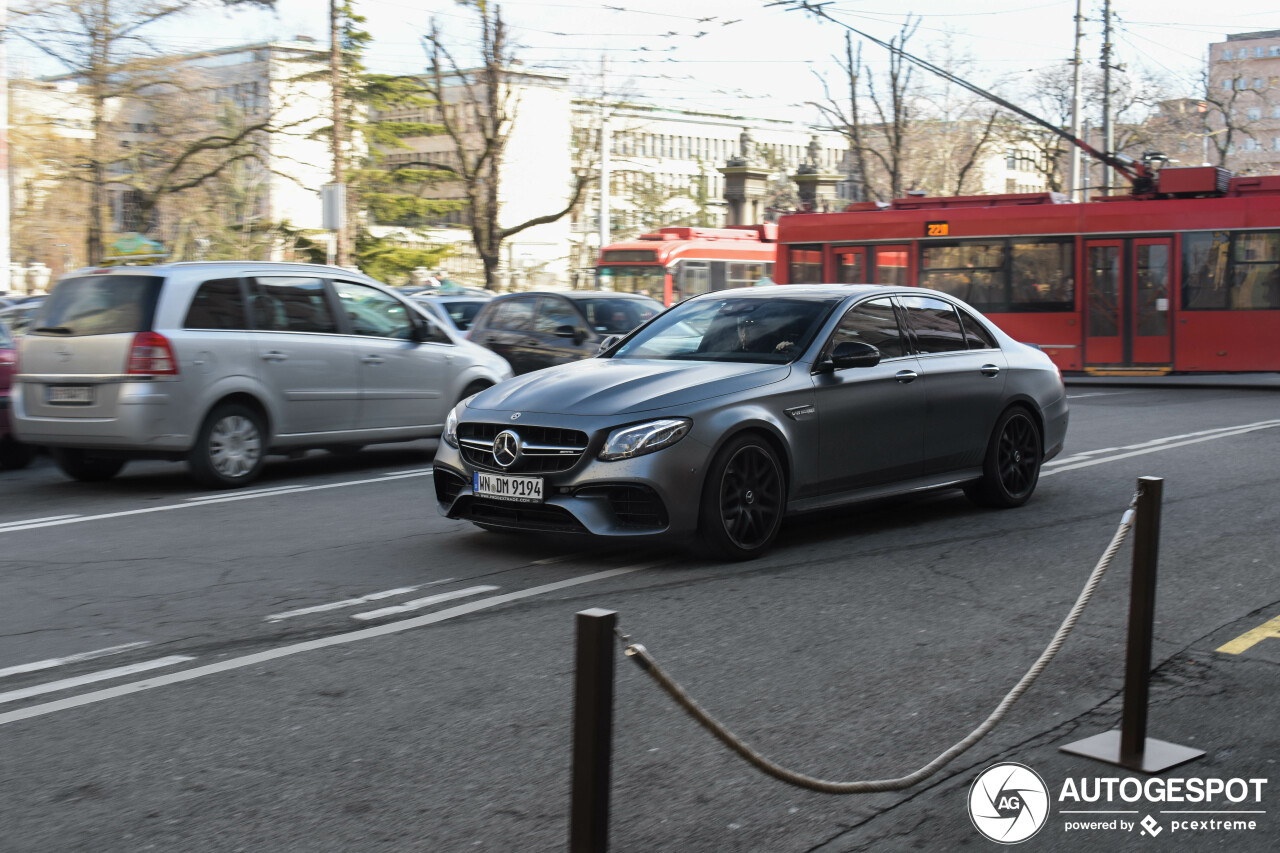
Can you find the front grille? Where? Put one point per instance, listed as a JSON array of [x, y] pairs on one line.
[[448, 484], [544, 450], [633, 505], [541, 517]]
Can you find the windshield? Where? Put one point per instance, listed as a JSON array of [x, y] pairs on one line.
[[767, 331], [617, 316], [98, 305], [650, 281]]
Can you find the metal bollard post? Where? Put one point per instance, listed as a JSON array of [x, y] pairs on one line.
[[1130, 747], [592, 732]]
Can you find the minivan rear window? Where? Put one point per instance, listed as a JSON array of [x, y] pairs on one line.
[[98, 305]]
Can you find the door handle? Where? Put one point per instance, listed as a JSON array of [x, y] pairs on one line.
[[905, 376], [274, 355], [989, 370], [372, 359]]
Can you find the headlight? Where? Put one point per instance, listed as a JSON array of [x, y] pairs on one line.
[[626, 442], [451, 426]]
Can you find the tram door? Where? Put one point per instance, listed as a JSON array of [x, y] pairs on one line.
[[1127, 302]]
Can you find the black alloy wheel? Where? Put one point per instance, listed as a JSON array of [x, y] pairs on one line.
[[743, 500], [1011, 468]]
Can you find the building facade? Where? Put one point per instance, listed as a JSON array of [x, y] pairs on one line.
[[1244, 80]]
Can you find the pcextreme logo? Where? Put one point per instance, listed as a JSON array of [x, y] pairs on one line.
[[1008, 803]]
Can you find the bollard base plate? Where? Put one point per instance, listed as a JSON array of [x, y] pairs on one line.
[[1157, 755]]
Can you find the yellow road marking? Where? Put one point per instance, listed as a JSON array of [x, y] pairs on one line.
[[1249, 639]]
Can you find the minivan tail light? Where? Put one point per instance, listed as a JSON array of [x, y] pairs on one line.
[[151, 355]]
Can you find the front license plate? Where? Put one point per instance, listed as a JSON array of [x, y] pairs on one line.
[[81, 395], [504, 488]]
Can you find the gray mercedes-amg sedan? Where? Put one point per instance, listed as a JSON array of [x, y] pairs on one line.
[[724, 414]]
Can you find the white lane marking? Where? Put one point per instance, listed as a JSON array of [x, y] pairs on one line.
[[419, 603], [310, 645], [1093, 394], [68, 683], [547, 561], [426, 471], [37, 523], [76, 658], [33, 520], [1074, 463], [348, 602], [253, 493]]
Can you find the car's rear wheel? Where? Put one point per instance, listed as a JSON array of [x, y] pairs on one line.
[[743, 500], [14, 454], [85, 465], [1011, 467], [230, 449]]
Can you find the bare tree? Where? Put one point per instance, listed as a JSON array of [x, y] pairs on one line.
[[476, 110], [103, 45]]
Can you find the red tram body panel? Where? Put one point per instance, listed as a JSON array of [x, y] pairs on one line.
[[1183, 279], [675, 263]]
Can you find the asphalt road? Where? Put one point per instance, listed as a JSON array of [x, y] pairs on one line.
[[321, 663]]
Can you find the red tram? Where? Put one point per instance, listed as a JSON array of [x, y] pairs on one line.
[[1183, 276], [675, 263]]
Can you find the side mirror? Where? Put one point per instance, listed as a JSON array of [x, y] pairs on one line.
[[854, 354], [608, 343]]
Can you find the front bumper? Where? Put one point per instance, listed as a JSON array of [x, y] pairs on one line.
[[655, 495]]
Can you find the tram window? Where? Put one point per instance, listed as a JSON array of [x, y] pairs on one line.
[[851, 268], [935, 323], [1255, 270], [891, 266], [717, 275], [971, 271], [805, 265], [745, 274], [1042, 276], [1204, 270], [693, 278]]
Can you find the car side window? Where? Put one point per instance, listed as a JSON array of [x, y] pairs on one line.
[[217, 304], [935, 323], [554, 312], [514, 314], [976, 334], [290, 304], [872, 322], [372, 313]]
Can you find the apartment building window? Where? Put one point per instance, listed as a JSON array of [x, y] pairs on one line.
[[1275, 50], [1275, 143], [1275, 112], [1259, 52], [1259, 83], [1226, 54], [1254, 113], [1252, 145]]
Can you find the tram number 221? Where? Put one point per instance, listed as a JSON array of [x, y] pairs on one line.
[[936, 229]]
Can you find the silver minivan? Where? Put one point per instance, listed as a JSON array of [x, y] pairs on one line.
[[220, 363]]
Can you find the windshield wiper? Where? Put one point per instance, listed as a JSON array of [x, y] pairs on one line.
[[57, 330]]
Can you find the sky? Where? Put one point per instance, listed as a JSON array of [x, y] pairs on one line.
[[744, 57]]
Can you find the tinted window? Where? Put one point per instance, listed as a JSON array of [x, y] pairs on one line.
[[975, 334], [1042, 276], [462, 313], [372, 313], [291, 304], [1204, 270], [515, 314], [1255, 270], [970, 271], [935, 323], [98, 305], [875, 323], [617, 316], [554, 312], [218, 304]]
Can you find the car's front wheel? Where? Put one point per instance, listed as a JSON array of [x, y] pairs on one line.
[[1011, 467], [743, 500], [85, 465], [230, 448]]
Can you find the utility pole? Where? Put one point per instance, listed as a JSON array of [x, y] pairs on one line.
[[5, 282], [1076, 185], [1108, 132], [339, 126]]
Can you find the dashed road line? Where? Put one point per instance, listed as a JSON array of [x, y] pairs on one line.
[[419, 603], [311, 645], [5, 525], [350, 602], [68, 683], [36, 666]]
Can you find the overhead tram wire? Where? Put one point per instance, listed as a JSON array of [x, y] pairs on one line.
[[1135, 172]]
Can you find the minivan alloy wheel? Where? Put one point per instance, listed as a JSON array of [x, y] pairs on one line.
[[235, 445]]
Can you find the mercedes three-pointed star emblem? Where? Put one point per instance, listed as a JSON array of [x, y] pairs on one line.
[[506, 448]]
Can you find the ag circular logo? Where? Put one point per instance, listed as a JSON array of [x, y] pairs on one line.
[[1008, 803], [506, 448]]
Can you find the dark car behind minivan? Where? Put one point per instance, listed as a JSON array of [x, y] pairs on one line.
[[542, 329]]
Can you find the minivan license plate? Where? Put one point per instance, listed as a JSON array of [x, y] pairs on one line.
[[81, 395], [505, 488]]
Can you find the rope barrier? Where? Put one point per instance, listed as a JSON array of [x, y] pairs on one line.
[[645, 661]]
